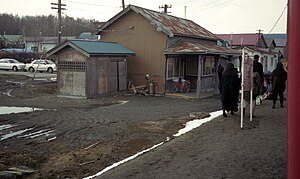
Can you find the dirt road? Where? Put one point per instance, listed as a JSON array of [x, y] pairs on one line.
[[75, 138]]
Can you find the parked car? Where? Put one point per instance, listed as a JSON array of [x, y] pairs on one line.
[[11, 64], [41, 65]]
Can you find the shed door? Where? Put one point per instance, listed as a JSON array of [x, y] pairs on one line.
[[118, 74]]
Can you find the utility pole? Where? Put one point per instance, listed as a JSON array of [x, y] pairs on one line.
[[59, 9], [259, 35], [165, 7], [123, 4], [185, 12], [293, 82]]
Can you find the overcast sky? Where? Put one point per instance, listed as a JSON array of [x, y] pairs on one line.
[[217, 16]]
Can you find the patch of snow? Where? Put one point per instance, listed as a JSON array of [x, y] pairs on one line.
[[12, 134], [7, 126], [123, 161], [9, 110], [45, 132], [197, 122]]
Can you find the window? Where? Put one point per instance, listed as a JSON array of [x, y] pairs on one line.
[[272, 62], [192, 67], [208, 65], [71, 66], [175, 67]]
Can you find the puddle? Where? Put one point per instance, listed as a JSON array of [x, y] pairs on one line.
[[10, 110]]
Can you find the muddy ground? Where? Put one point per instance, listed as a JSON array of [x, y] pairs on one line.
[[80, 137]]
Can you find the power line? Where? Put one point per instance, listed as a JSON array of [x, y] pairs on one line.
[[91, 4], [278, 19], [79, 23]]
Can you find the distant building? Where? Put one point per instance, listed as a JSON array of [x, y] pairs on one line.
[[254, 43], [11, 41], [42, 44], [87, 36], [280, 41]]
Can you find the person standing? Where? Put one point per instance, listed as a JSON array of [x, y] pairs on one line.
[[258, 67], [279, 77], [257, 90], [220, 71], [230, 87]]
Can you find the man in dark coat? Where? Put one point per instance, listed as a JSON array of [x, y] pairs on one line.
[[258, 67], [230, 87], [279, 77]]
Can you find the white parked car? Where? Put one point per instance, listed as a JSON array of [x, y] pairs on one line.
[[41, 65], [11, 64]]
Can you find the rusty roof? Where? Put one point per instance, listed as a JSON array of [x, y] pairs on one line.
[[197, 48], [250, 39], [170, 25]]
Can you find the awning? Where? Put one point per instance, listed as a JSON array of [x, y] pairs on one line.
[[197, 48]]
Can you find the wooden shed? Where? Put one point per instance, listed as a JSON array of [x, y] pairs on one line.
[[88, 68]]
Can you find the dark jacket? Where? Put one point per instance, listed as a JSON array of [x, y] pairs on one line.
[[258, 67], [279, 77], [230, 88]]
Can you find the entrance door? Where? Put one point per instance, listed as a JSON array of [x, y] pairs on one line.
[[118, 74]]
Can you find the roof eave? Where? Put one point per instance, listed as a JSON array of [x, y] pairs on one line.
[[111, 54], [200, 53], [67, 43]]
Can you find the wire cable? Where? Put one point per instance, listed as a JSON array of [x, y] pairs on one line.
[[91, 4], [79, 23], [278, 18]]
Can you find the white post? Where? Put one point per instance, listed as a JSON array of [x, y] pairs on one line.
[[251, 92], [242, 96]]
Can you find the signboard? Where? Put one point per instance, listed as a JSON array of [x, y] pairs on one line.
[[248, 63]]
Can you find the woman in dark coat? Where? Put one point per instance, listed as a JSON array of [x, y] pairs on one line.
[[230, 89], [279, 77]]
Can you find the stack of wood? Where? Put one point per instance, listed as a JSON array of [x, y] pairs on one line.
[[139, 89]]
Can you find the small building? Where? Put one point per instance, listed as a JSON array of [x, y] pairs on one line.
[[88, 68]]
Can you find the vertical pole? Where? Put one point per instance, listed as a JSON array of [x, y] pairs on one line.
[[123, 4], [251, 90], [242, 95], [293, 100], [59, 22], [185, 12]]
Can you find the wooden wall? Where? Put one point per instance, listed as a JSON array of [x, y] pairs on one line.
[[137, 34], [71, 82]]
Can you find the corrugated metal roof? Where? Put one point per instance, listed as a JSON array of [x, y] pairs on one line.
[[280, 39], [248, 39], [99, 47], [171, 25], [93, 47], [197, 48]]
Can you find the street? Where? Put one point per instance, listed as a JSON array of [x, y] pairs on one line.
[[38, 75]]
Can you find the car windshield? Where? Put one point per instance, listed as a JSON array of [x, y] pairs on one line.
[[13, 61], [49, 62]]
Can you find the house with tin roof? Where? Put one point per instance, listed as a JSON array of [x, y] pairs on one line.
[[254, 43], [280, 41], [89, 68], [11, 41], [167, 47]]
